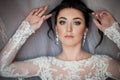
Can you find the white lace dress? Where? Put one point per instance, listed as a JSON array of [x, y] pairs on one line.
[[97, 67]]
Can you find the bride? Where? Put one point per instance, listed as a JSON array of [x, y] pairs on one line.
[[73, 63]]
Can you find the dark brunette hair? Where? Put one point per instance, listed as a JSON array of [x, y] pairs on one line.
[[75, 4]]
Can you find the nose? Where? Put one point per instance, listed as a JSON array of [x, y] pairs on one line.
[[69, 28]]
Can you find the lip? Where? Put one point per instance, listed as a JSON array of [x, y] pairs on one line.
[[68, 36]]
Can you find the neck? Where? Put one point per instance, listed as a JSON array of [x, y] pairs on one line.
[[71, 53]]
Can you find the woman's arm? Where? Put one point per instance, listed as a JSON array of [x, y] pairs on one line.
[[32, 22], [27, 68], [9, 52], [106, 23], [113, 33]]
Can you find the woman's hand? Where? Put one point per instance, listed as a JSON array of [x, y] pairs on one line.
[[36, 17], [103, 19]]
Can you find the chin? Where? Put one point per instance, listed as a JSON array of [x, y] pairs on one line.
[[72, 43]]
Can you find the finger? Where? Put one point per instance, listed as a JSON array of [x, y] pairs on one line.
[[38, 11], [97, 16], [97, 23], [107, 15], [41, 20], [104, 13], [48, 16], [30, 14], [43, 11], [34, 11]]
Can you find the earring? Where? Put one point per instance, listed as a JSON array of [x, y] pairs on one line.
[[57, 40], [84, 38]]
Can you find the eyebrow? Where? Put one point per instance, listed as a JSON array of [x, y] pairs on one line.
[[73, 18], [77, 18], [63, 18]]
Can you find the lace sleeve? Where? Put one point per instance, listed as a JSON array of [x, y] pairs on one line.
[[9, 52], [113, 33], [114, 69], [24, 69]]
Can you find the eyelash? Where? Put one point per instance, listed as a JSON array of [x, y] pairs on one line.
[[62, 22], [76, 23]]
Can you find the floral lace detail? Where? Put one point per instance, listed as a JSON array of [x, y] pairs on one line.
[[19, 38], [113, 33], [52, 68]]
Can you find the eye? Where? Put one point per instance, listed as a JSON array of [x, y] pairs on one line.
[[77, 23], [62, 22]]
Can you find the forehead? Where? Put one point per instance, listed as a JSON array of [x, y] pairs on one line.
[[70, 12]]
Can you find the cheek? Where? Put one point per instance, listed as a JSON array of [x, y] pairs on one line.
[[60, 31], [80, 31]]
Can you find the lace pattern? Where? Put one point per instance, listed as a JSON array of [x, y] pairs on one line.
[[97, 67], [113, 33], [52, 68], [19, 38]]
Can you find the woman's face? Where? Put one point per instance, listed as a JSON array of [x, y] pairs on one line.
[[70, 26]]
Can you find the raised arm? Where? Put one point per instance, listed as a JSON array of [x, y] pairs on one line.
[[9, 68], [113, 33], [107, 24]]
